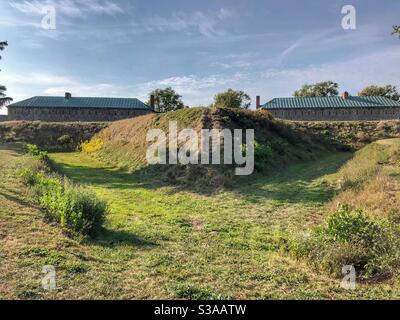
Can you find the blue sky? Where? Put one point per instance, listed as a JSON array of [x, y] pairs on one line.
[[127, 48]]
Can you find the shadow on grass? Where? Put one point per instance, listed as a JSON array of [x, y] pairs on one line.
[[112, 238], [16, 147], [299, 183], [16, 198], [109, 178]]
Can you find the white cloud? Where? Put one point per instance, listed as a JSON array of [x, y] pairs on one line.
[[233, 61], [200, 22], [37, 79], [194, 89], [224, 13], [329, 39], [22, 86], [378, 67], [70, 8], [90, 90]]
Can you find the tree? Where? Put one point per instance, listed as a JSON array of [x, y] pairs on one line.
[[232, 99], [387, 91], [166, 100], [320, 89], [3, 98], [396, 30]]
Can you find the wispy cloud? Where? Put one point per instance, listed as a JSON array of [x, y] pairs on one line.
[[336, 38], [69, 8], [191, 83], [196, 90], [207, 24], [378, 67], [37, 78], [23, 86]]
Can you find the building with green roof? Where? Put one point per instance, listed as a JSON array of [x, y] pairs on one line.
[[343, 108], [83, 109]]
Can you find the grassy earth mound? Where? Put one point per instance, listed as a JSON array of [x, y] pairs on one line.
[[124, 145]]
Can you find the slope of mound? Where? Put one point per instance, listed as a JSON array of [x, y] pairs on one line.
[[371, 180], [124, 144]]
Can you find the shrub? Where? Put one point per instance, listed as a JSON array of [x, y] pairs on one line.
[[74, 207], [93, 145], [65, 139], [28, 169], [351, 238], [262, 151], [262, 154], [33, 150]]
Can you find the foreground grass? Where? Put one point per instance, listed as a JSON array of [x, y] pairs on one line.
[[161, 242]]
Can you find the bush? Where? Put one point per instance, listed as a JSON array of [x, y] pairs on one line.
[[28, 169], [93, 145], [262, 154], [74, 207], [33, 150], [351, 238], [262, 151], [65, 139]]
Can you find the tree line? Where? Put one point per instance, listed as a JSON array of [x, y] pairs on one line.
[[169, 100]]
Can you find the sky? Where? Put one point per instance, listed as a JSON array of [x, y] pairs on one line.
[[128, 48]]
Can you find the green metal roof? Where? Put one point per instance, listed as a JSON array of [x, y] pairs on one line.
[[81, 102], [331, 102]]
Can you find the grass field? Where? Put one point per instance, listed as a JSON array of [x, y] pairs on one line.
[[161, 242]]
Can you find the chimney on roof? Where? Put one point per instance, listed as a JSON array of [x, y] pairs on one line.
[[68, 95], [345, 95], [258, 102]]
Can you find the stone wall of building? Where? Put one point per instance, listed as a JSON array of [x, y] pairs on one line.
[[337, 114], [72, 114], [351, 134], [3, 117]]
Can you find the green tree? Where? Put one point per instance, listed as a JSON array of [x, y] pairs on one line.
[[166, 100], [396, 30], [387, 91], [3, 98], [320, 89], [232, 99]]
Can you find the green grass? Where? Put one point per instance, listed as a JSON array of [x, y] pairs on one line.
[[162, 242]]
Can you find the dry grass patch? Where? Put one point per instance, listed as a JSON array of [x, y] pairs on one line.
[[379, 197]]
